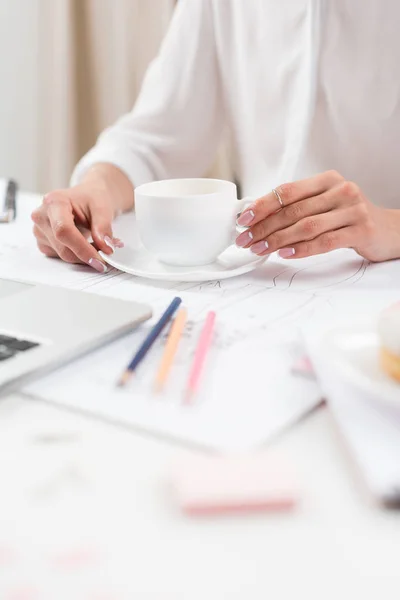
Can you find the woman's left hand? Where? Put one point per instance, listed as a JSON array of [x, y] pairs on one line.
[[320, 214]]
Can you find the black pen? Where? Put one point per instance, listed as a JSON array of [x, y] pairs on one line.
[[10, 203]]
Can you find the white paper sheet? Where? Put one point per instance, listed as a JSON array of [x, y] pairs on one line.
[[247, 393]]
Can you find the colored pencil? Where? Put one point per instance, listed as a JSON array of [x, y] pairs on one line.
[[149, 341], [200, 356], [171, 347]]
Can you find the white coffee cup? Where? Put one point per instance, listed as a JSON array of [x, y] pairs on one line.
[[188, 222]]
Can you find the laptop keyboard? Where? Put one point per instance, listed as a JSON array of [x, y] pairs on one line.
[[10, 346]]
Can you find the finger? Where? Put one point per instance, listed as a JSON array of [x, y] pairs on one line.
[[294, 213], [46, 249], [43, 232], [101, 230], [289, 193], [45, 241], [332, 240], [39, 234], [68, 256], [63, 251], [306, 229], [48, 246], [40, 217], [68, 238]]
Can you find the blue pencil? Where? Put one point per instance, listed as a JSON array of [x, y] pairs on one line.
[[149, 341]]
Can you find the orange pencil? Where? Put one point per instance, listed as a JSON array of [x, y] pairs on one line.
[[170, 349]]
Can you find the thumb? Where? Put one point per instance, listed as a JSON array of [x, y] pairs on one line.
[[102, 235]]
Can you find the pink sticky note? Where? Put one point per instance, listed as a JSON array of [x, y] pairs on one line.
[[206, 485], [75, 558], [8, 555], [23, 593]]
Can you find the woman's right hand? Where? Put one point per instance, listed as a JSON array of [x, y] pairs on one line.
[[67, 219]]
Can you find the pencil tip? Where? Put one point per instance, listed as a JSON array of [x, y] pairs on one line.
[[187, 397], [125, 377]]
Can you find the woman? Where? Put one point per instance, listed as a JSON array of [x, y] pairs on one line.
[[310, 93]]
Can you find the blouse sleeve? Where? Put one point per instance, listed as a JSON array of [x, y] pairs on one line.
[[175, 126]]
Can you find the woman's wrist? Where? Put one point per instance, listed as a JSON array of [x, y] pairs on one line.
[[393, 221], [111, 180]]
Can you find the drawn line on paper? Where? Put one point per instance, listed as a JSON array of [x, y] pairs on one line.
[[339, 282], [274, 280], [361, 270], [366, 265]]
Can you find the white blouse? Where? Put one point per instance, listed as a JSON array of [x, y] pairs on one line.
[[302, 85]]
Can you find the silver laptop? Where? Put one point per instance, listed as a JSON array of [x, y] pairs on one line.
[[42, 327]]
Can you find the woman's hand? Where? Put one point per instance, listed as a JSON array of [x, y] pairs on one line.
[[67, 218], [320, 214]]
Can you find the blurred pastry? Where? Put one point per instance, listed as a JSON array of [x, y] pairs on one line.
[[389, 334]]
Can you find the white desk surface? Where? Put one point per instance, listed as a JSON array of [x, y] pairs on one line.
[[338, 544]]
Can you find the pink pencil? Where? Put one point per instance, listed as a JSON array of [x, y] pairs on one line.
[[200, 356]]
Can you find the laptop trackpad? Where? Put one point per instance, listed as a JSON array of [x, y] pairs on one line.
[[9, 288]]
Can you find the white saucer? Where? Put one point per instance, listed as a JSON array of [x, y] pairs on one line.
[[353, 353], [136, 260]]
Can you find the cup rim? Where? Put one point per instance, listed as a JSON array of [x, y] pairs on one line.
[[230, 184]]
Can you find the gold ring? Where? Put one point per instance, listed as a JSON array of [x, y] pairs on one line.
[[278, 197]]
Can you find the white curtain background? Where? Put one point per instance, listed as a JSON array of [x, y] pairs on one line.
[[69, 68], [19, 90], [92, 57]]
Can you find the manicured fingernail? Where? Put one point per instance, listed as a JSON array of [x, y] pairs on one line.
[[118, 243], [246, 218], [244, 239], [286, 252], [259, 247], [97, 265], [110, 243]]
